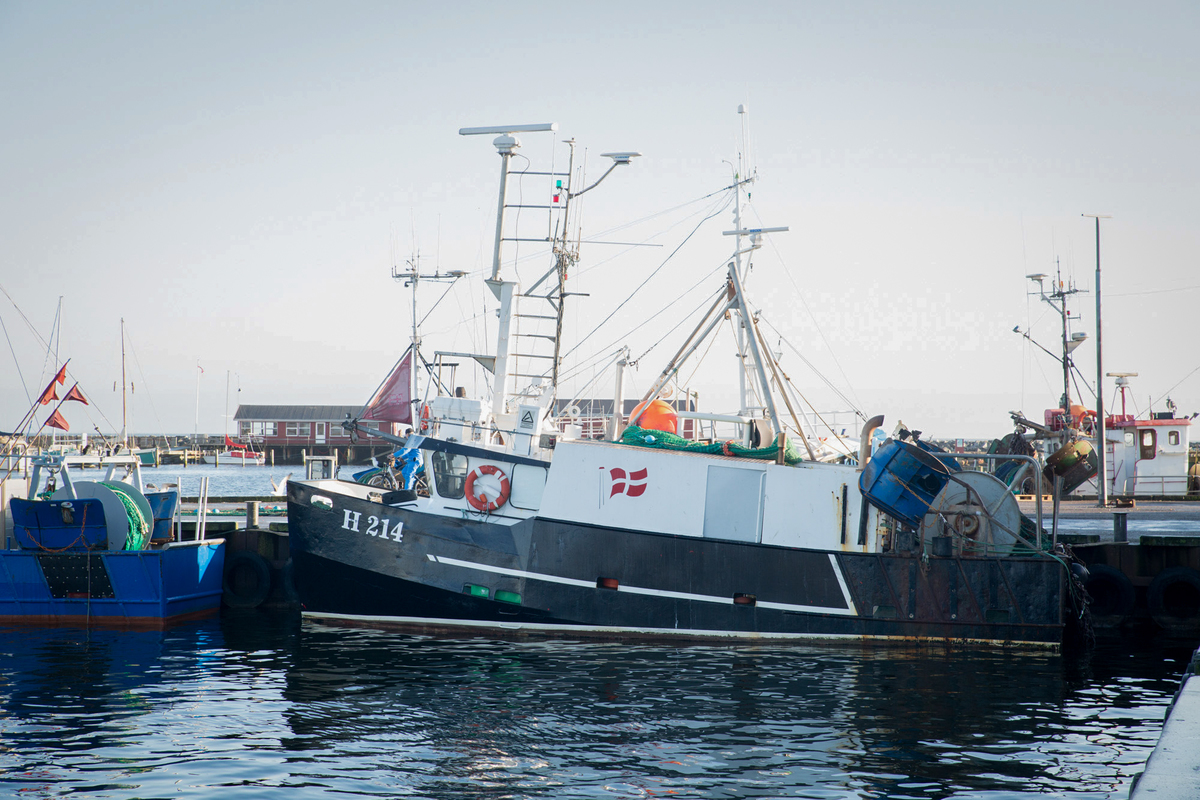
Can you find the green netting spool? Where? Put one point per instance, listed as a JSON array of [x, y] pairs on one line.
[[139, 529], [661, 440]]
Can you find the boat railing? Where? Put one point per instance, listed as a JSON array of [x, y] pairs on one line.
[[744, 424]]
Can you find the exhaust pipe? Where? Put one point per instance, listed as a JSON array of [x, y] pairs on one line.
[[864, 444]]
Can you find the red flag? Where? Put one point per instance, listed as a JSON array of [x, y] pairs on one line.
[[49, 396], [56, 421], [75, 394], [392, 403], [61, 377]]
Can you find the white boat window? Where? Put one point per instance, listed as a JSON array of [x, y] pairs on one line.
[[1173, 437], [1129, 438], [449, 474]]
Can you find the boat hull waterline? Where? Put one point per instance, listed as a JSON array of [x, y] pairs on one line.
[[425, 572]]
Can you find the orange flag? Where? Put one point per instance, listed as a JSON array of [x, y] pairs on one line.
[[49, 396], [56, 421], [75, 394], [61, 377]]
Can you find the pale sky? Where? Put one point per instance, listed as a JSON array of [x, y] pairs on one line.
[[236, 180]]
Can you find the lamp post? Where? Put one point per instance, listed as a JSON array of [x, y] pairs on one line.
[[1102, 482]]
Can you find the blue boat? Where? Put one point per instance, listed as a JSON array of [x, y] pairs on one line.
[[102, 553]]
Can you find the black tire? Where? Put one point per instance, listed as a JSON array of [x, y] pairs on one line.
[[399, 496], [1112, 594], [381, 480], [1174, 599], [247, 580]]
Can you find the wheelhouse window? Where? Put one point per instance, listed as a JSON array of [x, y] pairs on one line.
[[1173, 438], [1149, 444], [449, 474]]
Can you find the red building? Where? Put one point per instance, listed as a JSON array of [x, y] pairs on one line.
[[284, 433]]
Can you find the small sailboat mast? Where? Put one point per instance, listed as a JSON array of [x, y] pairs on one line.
[[124, 391]]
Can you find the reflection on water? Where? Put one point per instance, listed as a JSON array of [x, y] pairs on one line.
[[260, 701], [226, 480]]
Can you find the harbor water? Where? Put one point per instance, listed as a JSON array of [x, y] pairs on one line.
[[264, 705], [225, 480]]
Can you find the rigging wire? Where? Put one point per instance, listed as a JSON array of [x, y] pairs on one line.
[[675, 327], [1151, 291], [648, 239], [15, 362], [820, 331], [700, 360], [833, 387], [1181, 380], [650, 277], [145, 383], [46, 345], [600, 354]]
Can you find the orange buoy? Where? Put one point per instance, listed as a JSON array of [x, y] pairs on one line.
[[659, 416]]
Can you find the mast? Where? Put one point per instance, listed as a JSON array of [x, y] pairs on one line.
[[506, 144], [124, 388], [411, 279], [565, 255], [741, 181], [1057, 299], [768, 398], [196, 430], [743, 394], [1101, 423]]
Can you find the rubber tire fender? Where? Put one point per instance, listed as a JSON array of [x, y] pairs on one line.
[[240, 591], [1112, 593], [1156, 598]]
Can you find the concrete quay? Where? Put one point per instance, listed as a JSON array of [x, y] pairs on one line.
[[1173, 769]]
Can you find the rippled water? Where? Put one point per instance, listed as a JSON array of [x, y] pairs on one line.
[[226, 480], [259, 704]]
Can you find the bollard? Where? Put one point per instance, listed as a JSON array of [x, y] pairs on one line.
[[252, 514], [1120, 526]]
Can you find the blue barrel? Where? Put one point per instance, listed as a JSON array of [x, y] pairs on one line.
[[902, 479]]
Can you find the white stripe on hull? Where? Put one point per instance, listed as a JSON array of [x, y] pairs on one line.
[[704, 598]]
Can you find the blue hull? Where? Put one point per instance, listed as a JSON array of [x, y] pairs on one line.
[[147, 588]]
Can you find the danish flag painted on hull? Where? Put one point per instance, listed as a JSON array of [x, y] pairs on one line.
[[634, 488], [615, 481]]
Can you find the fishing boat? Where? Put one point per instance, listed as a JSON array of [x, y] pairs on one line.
[[236, 453], [1144, 456], [529, 530], [103, 553]]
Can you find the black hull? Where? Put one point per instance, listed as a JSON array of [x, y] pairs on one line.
[[666, 586]]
